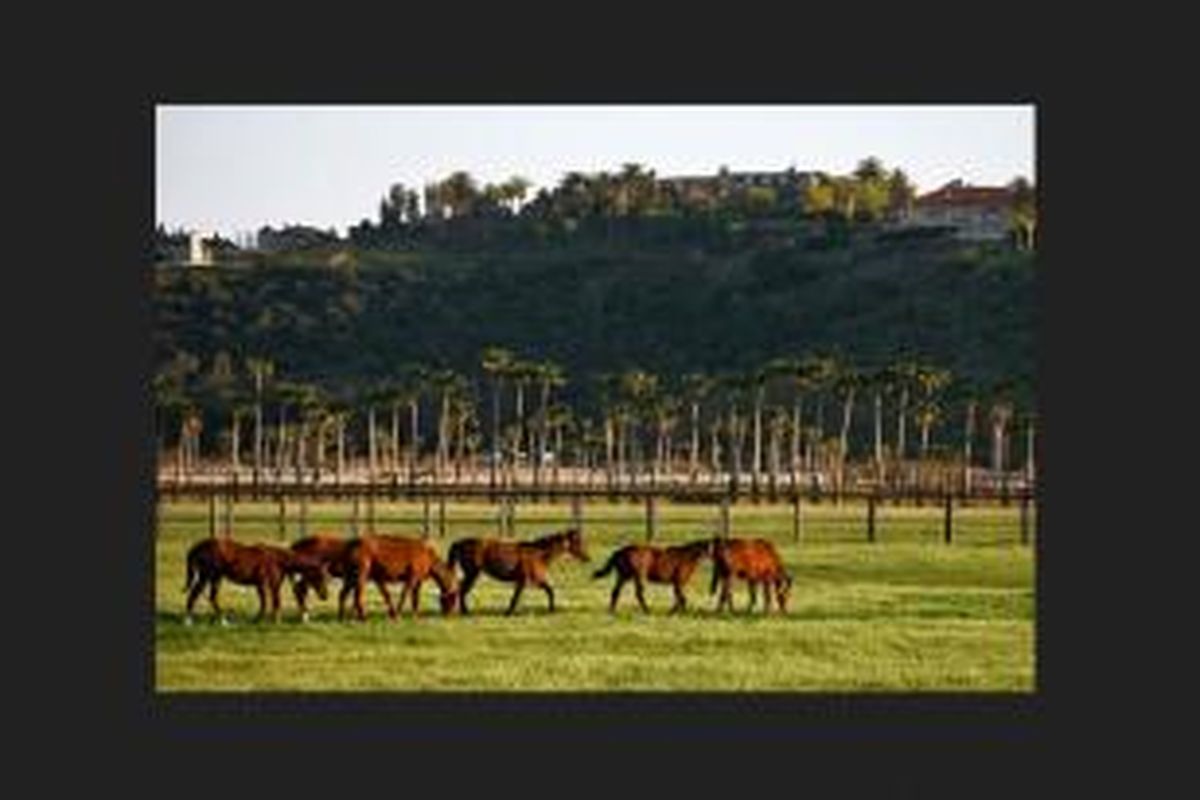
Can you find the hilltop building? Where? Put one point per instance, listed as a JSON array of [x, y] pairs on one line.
[[977, 213]]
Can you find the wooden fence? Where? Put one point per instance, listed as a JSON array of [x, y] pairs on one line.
[[223, 497]]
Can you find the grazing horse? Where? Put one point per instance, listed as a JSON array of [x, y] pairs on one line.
[[641, 563], [327, 549], [755, 561], [391, 559], [262, 566], [513, 562]]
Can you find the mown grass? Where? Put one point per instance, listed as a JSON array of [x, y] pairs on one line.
[[905, 613]]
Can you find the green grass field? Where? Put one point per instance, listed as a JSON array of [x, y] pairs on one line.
[[905, 613]]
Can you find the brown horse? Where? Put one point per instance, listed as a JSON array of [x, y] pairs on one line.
[[642, 563], [328, 550], [391, 559], [262, 566], [756, 562], [513, 562]]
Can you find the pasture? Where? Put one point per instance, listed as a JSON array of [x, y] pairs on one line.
[[907, 613]]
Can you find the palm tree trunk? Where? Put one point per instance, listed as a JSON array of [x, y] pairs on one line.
[[414, 446], [233, 448], [879, 434], [900, 424], [495, 448], [924, 440], [694, 462], [371, 451], [609, 436], [796, 433], [258, 435], [968, 435], [395, 438], [844, 439], [1029, 452], [756, 467], [341, 447], [281, 455], [443, 448]]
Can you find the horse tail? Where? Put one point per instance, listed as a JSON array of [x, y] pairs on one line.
[[455, 556], [608, 567], [190, 575]]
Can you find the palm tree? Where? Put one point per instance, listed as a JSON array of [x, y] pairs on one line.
[[1024, 212], [262, 369], [880, 382], [665, 411], [846, 383], [696, 387], [523, 373], [735, 388], [559, 418], [928, 413], [929, 381], [497, 363], [549, 375], [638, 388], [1000, 415]]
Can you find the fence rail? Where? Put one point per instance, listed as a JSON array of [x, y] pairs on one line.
[[362, 499]]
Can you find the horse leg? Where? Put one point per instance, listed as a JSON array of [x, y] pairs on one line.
[[549, 593], [753, 586], [416, 597], [468, 581], [213, 585], [680, 600], [726, 599], [616, 594], [768, 587], [387, 598], [347, 587], [640, 589], [275, 602], [192, 597], [360, 585], [512, 604]]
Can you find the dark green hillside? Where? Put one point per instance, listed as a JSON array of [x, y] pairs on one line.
[[667, 311]]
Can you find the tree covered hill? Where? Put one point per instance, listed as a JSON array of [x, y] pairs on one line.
[[346, 318]]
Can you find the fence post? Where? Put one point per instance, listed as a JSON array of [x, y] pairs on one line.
[[212, 516], [371, 508], [948, 533], [577, 513], [442, 517], [871, 517], [511, 517], [354, 516], [797, 520], [425, 516], [1024, 518], [501, 514], [228, 515], [650, 520], [725, 516], [303, 515], [282, 513]]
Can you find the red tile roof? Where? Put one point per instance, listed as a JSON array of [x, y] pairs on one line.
[[954, 194]]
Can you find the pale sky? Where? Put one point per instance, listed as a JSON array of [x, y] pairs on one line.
[[232, 169]]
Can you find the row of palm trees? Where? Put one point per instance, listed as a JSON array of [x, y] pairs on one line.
[[794, 414]]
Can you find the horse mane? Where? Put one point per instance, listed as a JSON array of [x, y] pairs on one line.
[[551, 538]]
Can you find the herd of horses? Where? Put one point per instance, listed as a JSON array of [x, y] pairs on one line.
[[310, 563]]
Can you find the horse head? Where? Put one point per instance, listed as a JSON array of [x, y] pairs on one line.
[[783, 590], [574, 538]]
